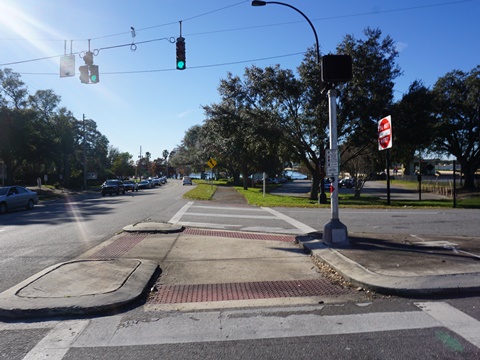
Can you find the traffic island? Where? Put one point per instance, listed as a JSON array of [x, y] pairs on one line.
[[154, 227], [79, 287]]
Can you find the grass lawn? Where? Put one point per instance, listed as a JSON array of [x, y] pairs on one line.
[[254, 196]]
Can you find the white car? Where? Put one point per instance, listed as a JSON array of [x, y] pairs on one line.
[[12, 197]]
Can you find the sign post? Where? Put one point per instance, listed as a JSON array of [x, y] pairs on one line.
[[385, 143], [211, 163]]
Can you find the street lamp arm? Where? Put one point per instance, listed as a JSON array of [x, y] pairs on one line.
[[263, 3]]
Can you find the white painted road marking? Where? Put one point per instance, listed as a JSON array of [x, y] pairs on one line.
[[240, 324], [454, 320], [299, 225], [55, 345], [275, 215]]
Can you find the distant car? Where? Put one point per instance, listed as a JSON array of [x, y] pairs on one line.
[[113, 187], [326, 184], [268, 181], [144, 184], [14, 197], [163, 179], [130, 185], [156, 182], [187, 180], [347, 182]]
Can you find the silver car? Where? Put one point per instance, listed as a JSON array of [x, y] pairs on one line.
[[187, 180], [14, 197]]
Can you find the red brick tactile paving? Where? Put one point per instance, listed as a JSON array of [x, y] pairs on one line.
[[173, 294], [119, 247], [239, 235]]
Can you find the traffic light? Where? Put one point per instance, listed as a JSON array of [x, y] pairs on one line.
[[94, 77], [336, 69], [88, 58], [181, 58], [84, 78]]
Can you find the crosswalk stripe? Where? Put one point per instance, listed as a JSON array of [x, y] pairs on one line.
[[55, 345], [453, 319]]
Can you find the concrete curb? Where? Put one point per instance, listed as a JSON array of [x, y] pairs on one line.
[[154, 227], [409, 286]]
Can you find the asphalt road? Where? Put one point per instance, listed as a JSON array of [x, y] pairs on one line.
[[381, 327], [58, 231]]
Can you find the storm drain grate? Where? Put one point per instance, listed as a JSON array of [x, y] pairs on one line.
[[119, 247], [172, 294], [239, 235]]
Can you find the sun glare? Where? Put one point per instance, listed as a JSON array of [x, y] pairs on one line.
[[18, 24]]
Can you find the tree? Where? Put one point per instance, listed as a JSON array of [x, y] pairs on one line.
[[238, 139], [16, 139], [14, 89], [191, 154], [120, 163], [368, 97], [165, 154], [457, 97], [413, 123], [45, 102]]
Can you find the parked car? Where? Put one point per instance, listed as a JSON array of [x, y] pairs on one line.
[[13, 197], [113, 187], [347, 182], [326, 184], [130, 185], [163, 179], [156, 182], [144, 184], [268, 181], [187, 180]]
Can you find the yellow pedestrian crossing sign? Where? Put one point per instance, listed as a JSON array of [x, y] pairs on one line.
[[212, 163]]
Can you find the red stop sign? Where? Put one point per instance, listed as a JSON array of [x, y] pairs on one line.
[[385, 133]]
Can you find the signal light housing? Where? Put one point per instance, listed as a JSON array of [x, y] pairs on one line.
[[84, 77], [181, 55], [336, 69], [94, 75]]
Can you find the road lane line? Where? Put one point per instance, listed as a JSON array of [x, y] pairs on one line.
[[218, 215], [299, 225], [176, 218], [454, 320]]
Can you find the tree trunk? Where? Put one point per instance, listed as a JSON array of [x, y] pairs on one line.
[[315, 186]]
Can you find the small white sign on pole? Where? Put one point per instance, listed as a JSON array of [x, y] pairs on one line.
[[331, 160]]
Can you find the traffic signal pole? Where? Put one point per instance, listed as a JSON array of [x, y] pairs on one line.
[[334, 232]]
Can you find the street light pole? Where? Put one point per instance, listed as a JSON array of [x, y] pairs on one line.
[[323, 196], [263, 3], [84, 154], [334, 233]]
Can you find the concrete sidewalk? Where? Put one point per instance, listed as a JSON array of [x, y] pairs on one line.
[[204, 268]]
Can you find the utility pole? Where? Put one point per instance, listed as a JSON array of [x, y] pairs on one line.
[[139, 162], [84, 154]]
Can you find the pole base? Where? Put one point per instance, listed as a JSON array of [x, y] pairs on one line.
[[335, 233]]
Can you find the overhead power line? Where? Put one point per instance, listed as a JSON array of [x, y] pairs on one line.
[[190, 67], [228, 30]]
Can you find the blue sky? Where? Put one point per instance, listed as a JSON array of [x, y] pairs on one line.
[[143, 101]]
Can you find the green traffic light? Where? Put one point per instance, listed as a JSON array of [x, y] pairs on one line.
[[181, 65], [93, 78]]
